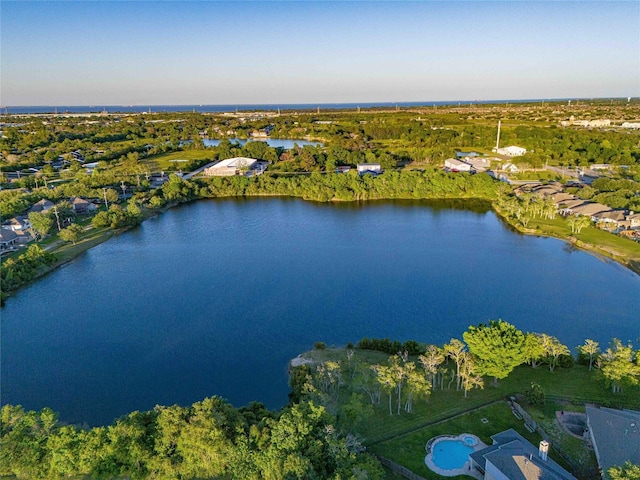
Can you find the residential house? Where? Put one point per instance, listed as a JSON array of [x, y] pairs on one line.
[[82, 206], [633, 220], [544, 190], [510, 167], [8, 238], [566, 207], [589, 209], [615, 435], [611, 217], [455, 165], [511, 151], [479, 164], [17, 224], [562, 197], [513, 457], [42, 206], [372, 168]]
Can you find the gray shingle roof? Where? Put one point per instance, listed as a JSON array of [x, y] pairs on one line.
[[615, 435], [518, 459]]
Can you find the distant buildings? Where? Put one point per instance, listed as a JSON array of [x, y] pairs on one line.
[[236, 166], [455, 165], [511, 151], [372, 168], [599, 123]]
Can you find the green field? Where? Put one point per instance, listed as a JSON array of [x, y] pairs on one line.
[[170, 161]]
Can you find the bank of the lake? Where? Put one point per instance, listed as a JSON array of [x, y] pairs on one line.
[[215, 297], [431, 185]]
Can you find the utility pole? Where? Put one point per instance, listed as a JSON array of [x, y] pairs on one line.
[[55, 210], [104, 191]]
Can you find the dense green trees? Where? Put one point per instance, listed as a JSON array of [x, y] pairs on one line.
[[71, 233], [210, 439], [620, 365], [628, 471], [15, 272], [498, 348]]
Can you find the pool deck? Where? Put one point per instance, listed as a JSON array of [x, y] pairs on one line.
[[465, 469]]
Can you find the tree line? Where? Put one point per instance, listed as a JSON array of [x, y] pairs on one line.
[[209, 439]]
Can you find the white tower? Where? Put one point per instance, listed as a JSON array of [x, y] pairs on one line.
[[498, 137]]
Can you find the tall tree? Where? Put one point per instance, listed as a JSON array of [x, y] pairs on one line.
[[619, 367], [468, 373], [430, 361], [590, 348], [387, 381], [417, 386], [71, 233], [553, 350], [533, 349], [41, 223], [498, 348], [455, 350]]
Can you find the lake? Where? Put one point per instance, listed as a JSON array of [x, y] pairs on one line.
[[272, 142], [216, 296]]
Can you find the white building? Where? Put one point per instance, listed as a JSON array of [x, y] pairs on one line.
[[511, 151], [374, 168], [236, 166], [455, 165]]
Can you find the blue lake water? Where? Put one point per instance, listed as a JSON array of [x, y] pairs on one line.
[[272, 142], [216, 296]]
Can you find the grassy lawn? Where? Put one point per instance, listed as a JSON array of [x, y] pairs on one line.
[[577, 383], [590, 238], [409, 450], [167, 161]]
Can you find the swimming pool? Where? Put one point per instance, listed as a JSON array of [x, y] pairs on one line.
[[450, 454]]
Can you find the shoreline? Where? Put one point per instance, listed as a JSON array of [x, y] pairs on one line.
[[631, 264]]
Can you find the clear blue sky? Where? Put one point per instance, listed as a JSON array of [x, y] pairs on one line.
[[182, 52]]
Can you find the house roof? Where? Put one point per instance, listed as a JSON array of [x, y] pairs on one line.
[[615, 435], [571, 204], [563, 197], [545, 190], [590, 209], [7, 235], [457, 163], [41, 205], [615, 215], [518, 459], [235, 162], [18, 222]]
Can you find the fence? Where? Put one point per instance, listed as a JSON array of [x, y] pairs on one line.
[[399, 469], [530, 424]]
